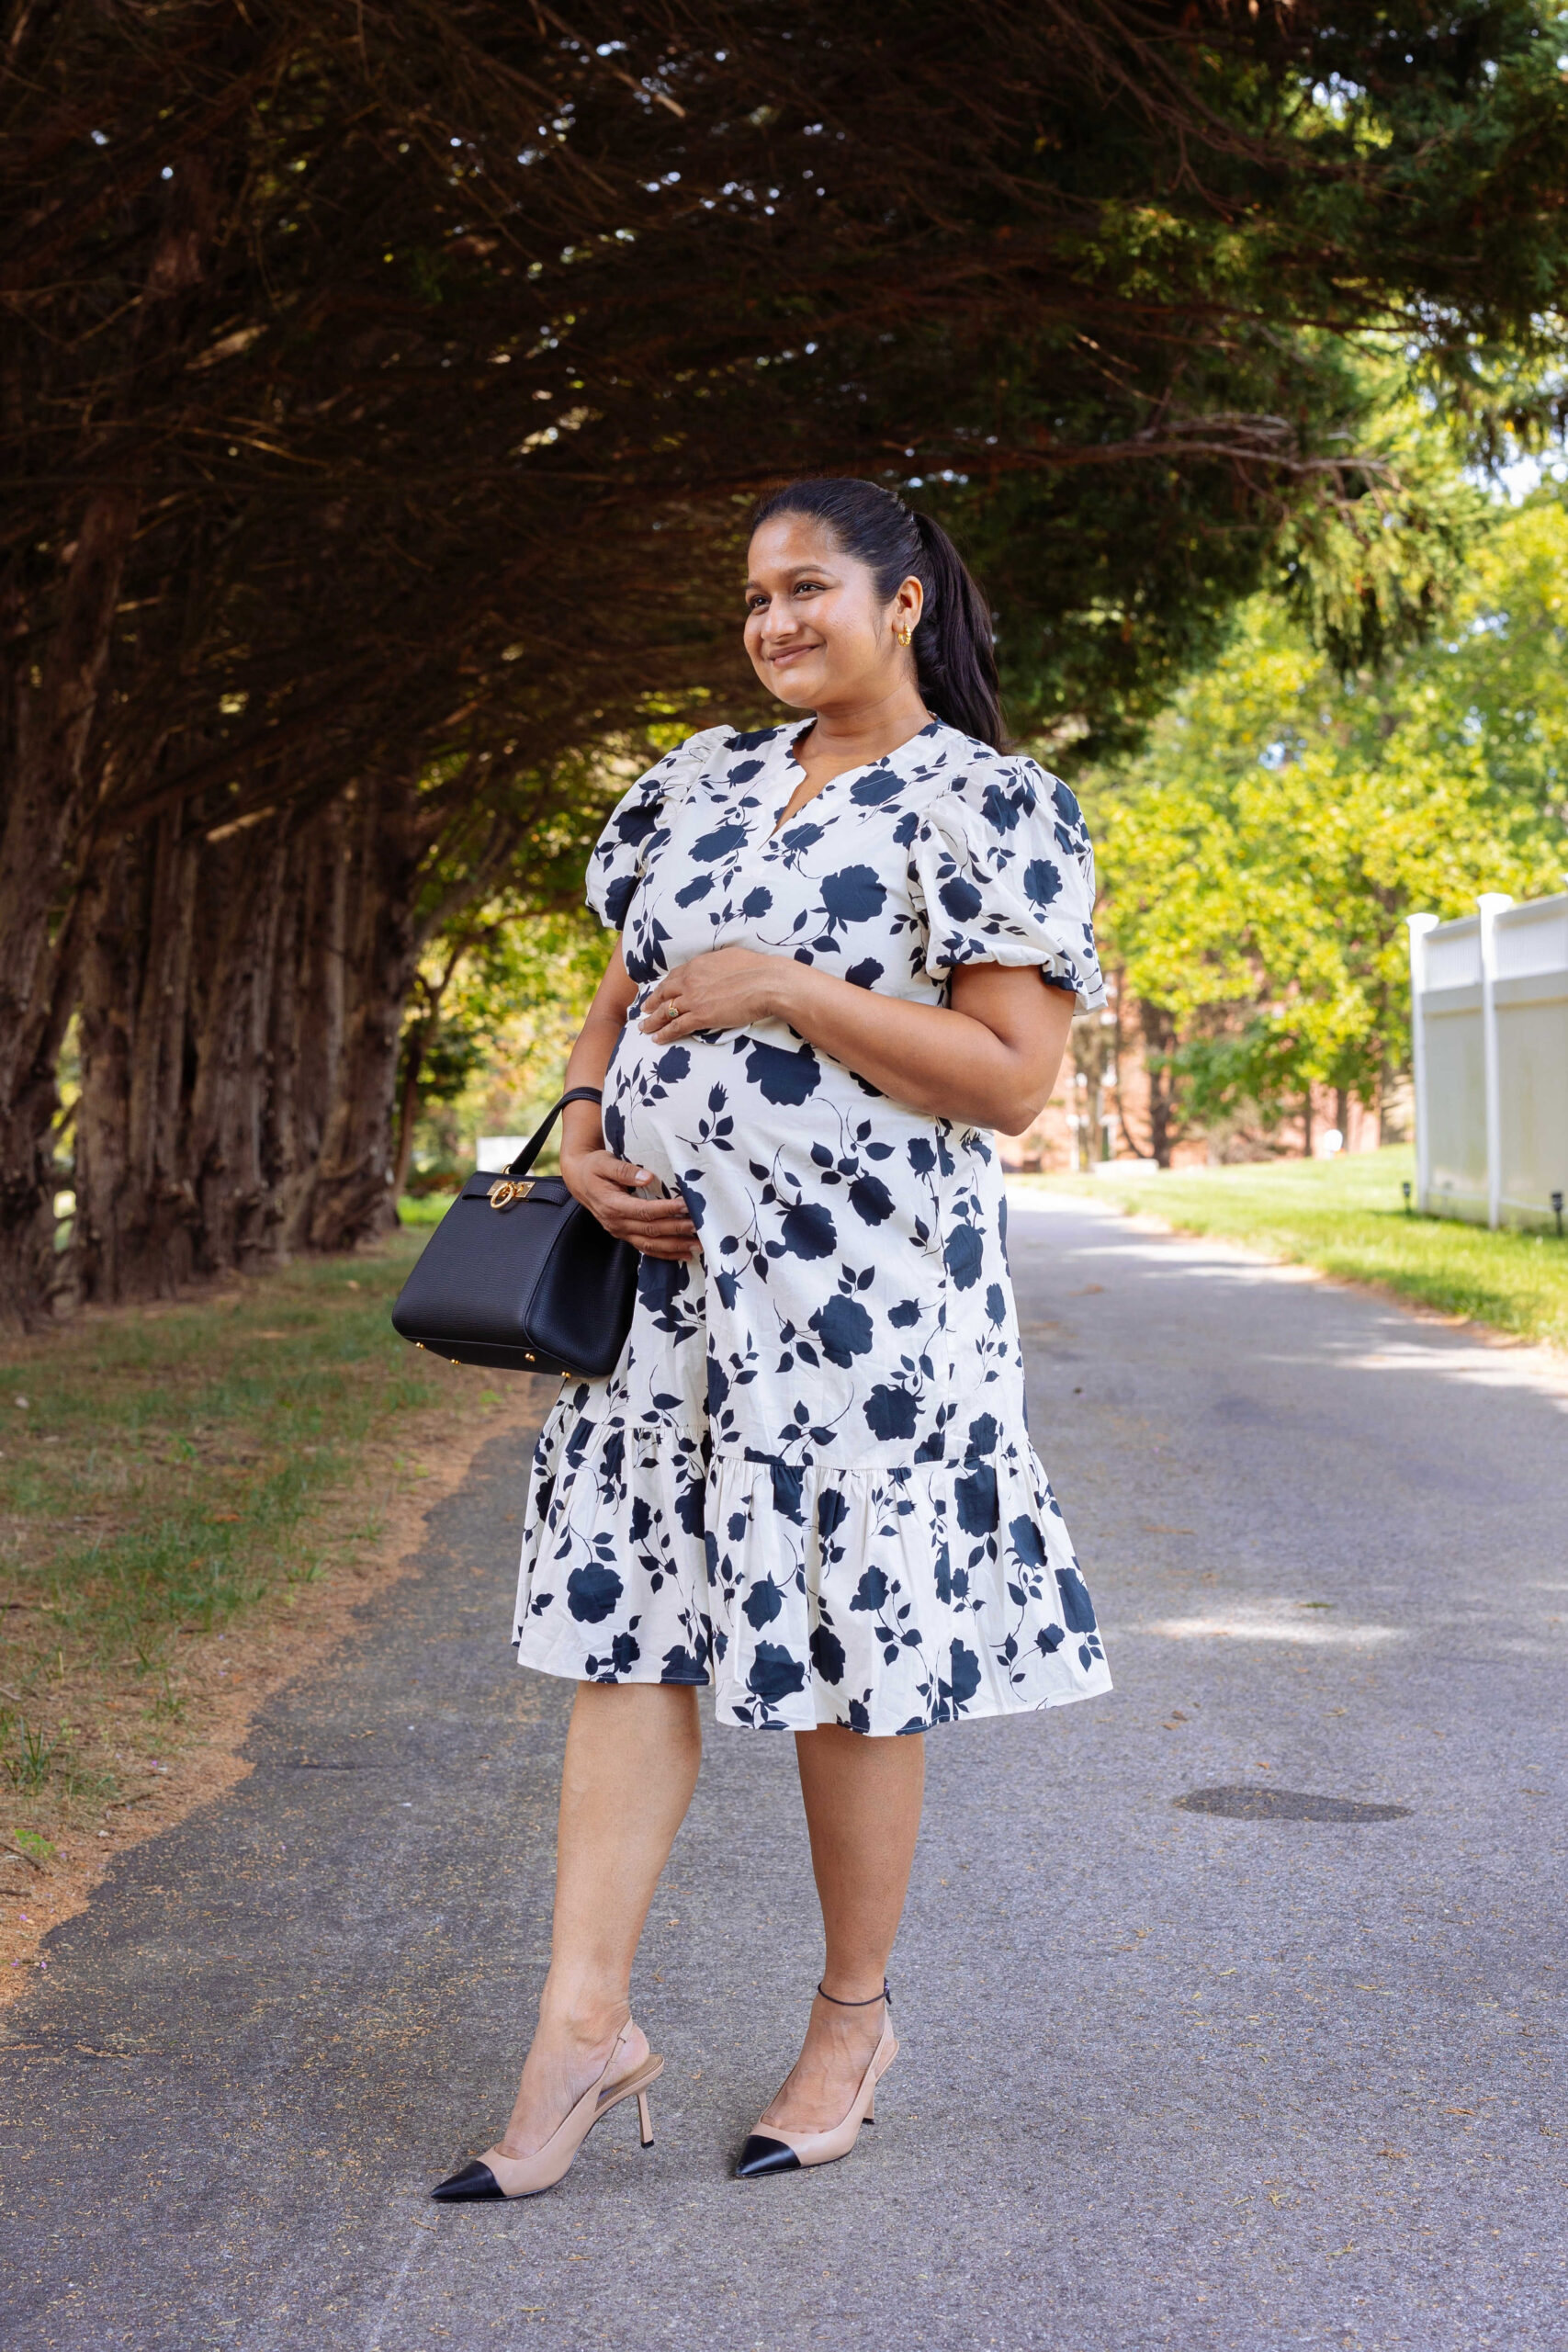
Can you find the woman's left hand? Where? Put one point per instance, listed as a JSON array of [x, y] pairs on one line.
[[730, 988]]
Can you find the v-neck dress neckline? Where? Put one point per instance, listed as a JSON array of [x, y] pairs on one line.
[[790, 742]]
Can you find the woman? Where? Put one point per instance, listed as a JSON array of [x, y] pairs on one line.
[[852, 944]]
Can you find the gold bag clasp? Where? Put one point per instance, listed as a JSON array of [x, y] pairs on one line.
[[503, 1195]]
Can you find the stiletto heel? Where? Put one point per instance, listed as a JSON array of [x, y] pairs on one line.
[[499, 2175], [772, 2149]]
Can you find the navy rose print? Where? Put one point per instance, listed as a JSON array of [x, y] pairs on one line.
[[809, 1480]]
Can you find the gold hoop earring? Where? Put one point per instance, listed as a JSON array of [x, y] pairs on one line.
[[903, 637]]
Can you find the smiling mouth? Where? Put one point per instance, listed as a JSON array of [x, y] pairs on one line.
[[790, 654]]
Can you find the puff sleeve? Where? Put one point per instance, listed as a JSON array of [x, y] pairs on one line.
[[1006, 873], [620, 857]]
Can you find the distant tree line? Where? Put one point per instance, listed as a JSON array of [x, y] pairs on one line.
[[385, 388], [1259, 852]]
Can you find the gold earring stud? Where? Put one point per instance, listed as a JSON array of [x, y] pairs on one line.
[[903, 637]]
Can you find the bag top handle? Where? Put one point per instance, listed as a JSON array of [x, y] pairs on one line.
[[536, 1142]]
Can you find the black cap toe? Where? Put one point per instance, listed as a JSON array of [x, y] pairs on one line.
[[475, 2180], [762, 2155]]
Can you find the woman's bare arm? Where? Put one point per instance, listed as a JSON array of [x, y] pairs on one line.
[[988, 1060], [605, 1185]]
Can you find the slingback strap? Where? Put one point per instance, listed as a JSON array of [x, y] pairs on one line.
[[885, 1995], [536, 1142]]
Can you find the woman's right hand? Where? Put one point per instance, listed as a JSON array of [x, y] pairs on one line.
[[610, 1189]]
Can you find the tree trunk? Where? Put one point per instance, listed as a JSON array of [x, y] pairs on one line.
[[288, 1020], [112, 963], [135, 1207], [50, 703], [410, 1093], [319, 880], [212, 1037], [238, 1218], [419, 1042], [351, 1198], [1159, 1047], [53, 675], [242, 1001], [1091, 1048]]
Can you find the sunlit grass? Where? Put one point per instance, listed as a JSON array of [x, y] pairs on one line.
[[1347, 1215], [428, 1209]]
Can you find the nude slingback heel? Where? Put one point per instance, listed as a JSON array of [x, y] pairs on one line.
[[498, 2175], [772, 2149]]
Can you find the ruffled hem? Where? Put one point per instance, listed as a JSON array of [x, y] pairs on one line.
[[886, 1598]]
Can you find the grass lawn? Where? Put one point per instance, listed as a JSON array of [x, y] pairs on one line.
[[1347, 1216], [166, 1471], [419, 1215]]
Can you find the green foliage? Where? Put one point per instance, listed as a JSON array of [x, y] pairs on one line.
[[518, 984], [1258, 856], [454, 1056], [420, 1211], [1082, 274], [1370, 573]]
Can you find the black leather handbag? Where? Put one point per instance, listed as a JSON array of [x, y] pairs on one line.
[[519, 1275]]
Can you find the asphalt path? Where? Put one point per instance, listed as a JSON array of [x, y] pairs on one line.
[[1169, 2077]]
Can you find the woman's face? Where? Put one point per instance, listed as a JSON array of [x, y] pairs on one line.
[[817, 633]]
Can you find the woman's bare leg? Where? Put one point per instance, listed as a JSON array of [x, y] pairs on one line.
[[632, 1755], [862, 1808]]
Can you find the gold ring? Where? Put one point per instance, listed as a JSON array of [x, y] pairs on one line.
[[671, 1009]]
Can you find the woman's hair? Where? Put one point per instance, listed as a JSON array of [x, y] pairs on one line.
[[955, 662]]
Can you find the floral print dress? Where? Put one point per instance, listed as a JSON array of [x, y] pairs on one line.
[[809, 1480]]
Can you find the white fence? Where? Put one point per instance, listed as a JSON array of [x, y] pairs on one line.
[[1489, 1018]]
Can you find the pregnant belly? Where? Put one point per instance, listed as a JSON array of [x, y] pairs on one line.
[[656, 1097], [678, 1108]]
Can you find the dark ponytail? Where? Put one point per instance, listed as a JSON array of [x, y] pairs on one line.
[[956, 661]]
